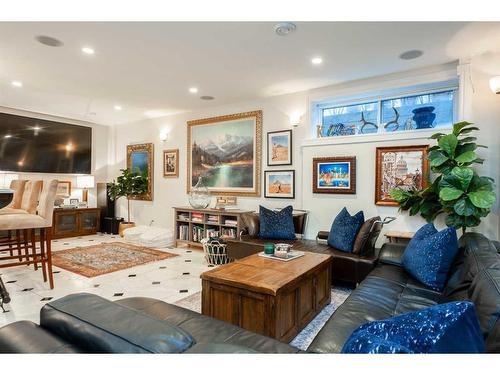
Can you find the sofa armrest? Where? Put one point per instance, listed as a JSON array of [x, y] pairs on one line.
[[391, 253]]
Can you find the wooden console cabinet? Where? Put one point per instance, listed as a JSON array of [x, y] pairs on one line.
[[75, 222]]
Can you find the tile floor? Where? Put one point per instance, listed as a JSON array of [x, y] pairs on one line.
[[168, 280]]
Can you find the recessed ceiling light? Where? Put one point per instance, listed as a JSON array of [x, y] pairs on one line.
[[411, 54], [207, 97], [48, 41], [117, 107], [88, 50], [317, 60], [36, 128], [7, 136], [284, 28], [17, 83], [193, 90]]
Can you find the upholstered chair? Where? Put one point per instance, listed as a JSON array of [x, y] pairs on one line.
[[28, 200], [29, 222], [18, 187]]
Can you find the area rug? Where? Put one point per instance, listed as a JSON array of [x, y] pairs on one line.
[[307, 335], [105, 258]]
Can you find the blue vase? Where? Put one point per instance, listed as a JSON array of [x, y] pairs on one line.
[[424, 117]]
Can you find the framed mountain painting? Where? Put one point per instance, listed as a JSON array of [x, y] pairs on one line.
[[225, 152]]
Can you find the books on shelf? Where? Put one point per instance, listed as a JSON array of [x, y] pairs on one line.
[[184, 232], [198, 233], [212, 232], [184, 216], [231, 222], [212, 219], [229, 232], [197, 217]]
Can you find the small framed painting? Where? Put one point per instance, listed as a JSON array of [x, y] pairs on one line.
[[171, 163], [64, 189], [279, 184], [334, 175], [279, 148]]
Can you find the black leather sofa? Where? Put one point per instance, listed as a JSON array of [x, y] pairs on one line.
[[90, 324]]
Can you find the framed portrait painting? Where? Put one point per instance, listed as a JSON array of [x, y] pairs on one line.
[[279, 184], [140, 160], [226, 152], [404, 167], [279, 148], [334, 175], [171, 163]]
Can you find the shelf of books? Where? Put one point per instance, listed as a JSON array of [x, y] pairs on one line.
[[192, 225]]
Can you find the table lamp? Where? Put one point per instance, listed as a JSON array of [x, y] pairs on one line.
[[85, 183]]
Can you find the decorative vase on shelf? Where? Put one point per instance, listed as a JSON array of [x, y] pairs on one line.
[[424, 117], [199, 197]]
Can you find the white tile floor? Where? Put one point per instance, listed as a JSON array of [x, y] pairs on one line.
[[27, 289]]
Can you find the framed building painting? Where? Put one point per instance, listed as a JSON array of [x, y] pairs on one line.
[[140, 160], [171, 163], [226, 152], [279, 184], [279, 148], [334, 175], [403, 167]]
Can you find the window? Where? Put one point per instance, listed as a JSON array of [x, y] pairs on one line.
[[435, 109]]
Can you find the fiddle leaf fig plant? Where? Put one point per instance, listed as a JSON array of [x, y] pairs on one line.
[[457, 191], [128, 185]]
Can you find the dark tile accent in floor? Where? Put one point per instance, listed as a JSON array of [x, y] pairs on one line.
[[26, 289], [117, 294], [187, 260], [46, 298], [132, 275], [10, 281], [210, 265], [189, 251], [91, 240], [97, 285], [56, 271], [185, 273], [183, 291], [163, 267], [156, 282]]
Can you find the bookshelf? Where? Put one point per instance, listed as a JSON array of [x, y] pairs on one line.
[[192, 225]]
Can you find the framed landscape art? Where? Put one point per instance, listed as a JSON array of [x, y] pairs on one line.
[[279, 184], [334, 175], [404, 167], [171, 163], [226, 152], [279, 148], [140, 160], [63, 189]]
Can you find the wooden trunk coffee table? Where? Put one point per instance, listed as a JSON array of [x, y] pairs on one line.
[[267, 296]]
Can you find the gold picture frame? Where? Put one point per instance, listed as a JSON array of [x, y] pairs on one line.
[[211, 162], [171, 163], [63, 189], [140, 157]]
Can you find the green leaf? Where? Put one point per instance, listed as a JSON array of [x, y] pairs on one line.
[[468, 130], [481, 184], [464, 207], [467, 140], [466, 157], [437, 158], [450, 181], [461, 148], [454, 220], [448, 143], [464, 175], [437, 135], [482, 198], [459, 126], [449, 194], [398, 194]]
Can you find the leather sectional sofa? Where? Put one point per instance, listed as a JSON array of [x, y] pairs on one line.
[[87, 323]]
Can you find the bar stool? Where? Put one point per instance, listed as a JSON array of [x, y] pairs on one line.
[[28, 223]]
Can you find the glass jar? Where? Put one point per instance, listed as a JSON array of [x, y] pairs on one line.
[[199, 197]]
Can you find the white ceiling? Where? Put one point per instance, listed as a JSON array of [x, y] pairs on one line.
[[147, 68]]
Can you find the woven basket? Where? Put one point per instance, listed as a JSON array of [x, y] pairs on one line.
[[215, 252]]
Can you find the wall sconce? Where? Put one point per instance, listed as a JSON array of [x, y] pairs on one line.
[[495, 84], [163, 136], [295, 119]]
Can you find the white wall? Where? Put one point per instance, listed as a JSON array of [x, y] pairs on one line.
[[100, 141], [481, 106]]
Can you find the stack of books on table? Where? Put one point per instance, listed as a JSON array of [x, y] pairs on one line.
[[212, 219], [197, 217], [231, 222]]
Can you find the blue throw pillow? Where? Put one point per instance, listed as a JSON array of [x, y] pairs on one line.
[[344, 230], [449, 328], [430, 254], [276, 225]]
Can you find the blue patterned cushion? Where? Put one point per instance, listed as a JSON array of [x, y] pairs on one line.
[[344, 230], [276, 225], [430, 254], [448, 328]]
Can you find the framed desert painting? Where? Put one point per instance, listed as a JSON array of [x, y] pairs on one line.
[[279, 148], [404, 167], [334, 175], [226, 152], [171, 163], [140, 160], [279, 184]]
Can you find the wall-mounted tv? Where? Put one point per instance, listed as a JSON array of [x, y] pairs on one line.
[[33, 145]]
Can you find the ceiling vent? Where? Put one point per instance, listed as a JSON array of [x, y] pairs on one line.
[[284, 28], [48, 41], [411, 54], [207, 97]]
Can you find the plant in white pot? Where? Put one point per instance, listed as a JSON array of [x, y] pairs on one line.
[[128, 185]]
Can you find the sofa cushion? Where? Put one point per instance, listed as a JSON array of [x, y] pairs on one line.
[[430, 254], [344, 230], [277, 225], [447, 328], [364, 236], [100, 326]]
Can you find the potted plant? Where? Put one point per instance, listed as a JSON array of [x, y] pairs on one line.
[[128, 185], [457, 190]]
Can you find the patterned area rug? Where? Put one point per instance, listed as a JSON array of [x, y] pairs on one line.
[[104, 258], [307, 335]]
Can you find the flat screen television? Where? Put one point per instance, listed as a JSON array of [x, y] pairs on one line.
[[33, 145]]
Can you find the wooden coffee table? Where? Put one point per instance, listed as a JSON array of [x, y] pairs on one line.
[[266, 296]]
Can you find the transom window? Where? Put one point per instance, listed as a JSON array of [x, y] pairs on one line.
[[432, 109]]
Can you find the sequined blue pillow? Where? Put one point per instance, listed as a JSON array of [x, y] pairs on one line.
[[344, 230], [276, 225], [430, 254], [448, 328]]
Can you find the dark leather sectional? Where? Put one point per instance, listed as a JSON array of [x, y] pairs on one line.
[[144, 325]]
